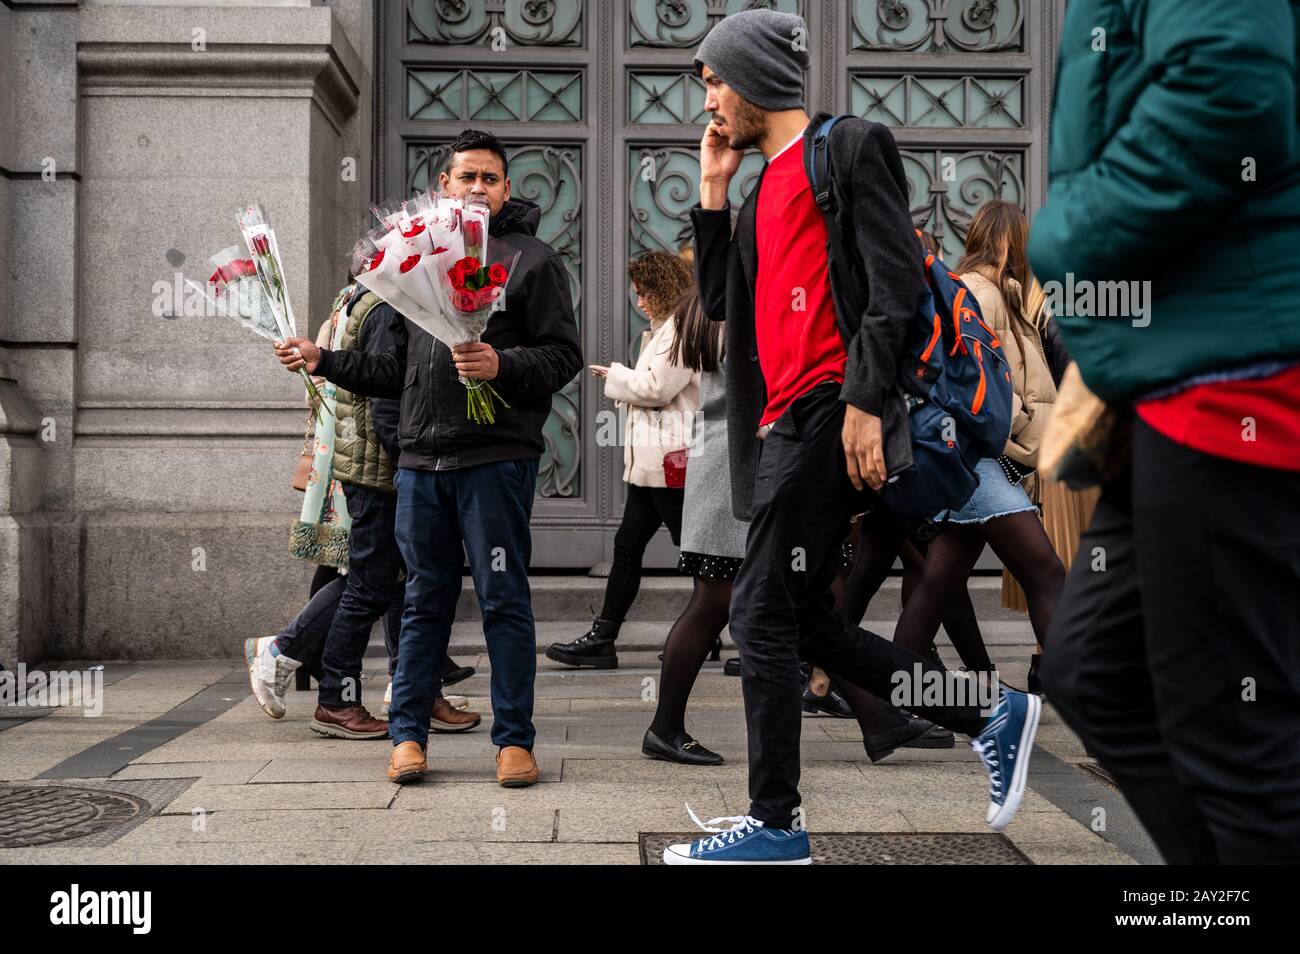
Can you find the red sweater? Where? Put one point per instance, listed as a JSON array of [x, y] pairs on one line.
[[1255, 422], [799, 344]]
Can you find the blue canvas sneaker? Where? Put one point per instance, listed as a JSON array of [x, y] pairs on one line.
[[744, 842], [1004, 747]]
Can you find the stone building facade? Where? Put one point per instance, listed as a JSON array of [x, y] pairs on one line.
[[144, 495]]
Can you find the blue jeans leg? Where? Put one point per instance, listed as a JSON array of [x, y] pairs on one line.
[[495, 505], [429, 535]]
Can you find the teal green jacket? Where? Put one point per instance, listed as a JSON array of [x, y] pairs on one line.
[[1175, 160]]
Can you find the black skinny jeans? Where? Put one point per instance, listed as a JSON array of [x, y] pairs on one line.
[[782, 610]]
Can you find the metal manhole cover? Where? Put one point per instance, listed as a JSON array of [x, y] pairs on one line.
[[879, 848], [44, 814]]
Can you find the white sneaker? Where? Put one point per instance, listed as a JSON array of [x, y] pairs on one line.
[[268, 675], [388, 697]]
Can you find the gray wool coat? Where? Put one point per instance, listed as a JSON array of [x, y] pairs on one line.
[[708, 525]]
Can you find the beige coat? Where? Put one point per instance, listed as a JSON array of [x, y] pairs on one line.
[[661, 399], [1031, 377]]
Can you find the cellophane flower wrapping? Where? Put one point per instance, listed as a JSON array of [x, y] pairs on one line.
[[264, 253], [432, 260]]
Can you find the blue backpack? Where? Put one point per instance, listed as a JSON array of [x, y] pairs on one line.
[[953, 376]]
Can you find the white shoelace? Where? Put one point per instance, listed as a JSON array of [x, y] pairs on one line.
[[282, 674], [740, 825], [988, 751]]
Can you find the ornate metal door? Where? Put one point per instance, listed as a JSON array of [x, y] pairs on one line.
[[602, 114]]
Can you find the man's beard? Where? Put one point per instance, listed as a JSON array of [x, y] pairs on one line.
[[748, 127]]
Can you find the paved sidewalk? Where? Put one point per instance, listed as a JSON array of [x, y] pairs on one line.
[[274, 791]]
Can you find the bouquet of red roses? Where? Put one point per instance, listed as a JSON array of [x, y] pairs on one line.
[[236, 289], [431, 260]]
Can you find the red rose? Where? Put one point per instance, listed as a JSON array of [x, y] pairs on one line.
[[465, 301], [473, 231], [497, 274], [439, 250], [457, 278], [374, 262], [409, 264], [260, 245], [416, 228], [469, 266]]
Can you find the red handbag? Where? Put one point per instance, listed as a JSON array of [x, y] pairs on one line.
[[675, 469]]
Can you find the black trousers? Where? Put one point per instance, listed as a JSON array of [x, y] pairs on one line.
[[1175, 651], [782, 609], [646, 510], [372, 587]]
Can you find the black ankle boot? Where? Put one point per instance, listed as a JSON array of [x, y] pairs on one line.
[[594, 649]]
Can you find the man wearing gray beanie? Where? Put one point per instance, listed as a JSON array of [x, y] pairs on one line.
[[762, 55], [813, 378]]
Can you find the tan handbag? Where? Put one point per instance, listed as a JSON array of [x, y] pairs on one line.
[[302, 472], [1088, 440]]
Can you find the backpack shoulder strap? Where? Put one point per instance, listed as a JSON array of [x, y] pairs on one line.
[[817, 164]]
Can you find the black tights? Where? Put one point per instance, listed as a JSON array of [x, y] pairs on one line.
[[1018, 540], [879, 539], [689, 643]]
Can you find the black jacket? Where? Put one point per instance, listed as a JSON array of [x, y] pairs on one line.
[[377, 338], [726, 267], [536, 339]]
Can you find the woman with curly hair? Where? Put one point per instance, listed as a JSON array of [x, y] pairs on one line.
[[660, 395]]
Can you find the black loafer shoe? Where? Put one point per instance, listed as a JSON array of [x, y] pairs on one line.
[[731, 667], [455, 674], [882, 746], [936, 737], [1035, 678], [687, 751], [831, 704]]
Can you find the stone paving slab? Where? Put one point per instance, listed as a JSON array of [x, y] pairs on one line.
[[275, 791], [298, 796], [211, 773], [441, 769]]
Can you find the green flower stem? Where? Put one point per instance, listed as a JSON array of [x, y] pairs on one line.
[[480, 402]]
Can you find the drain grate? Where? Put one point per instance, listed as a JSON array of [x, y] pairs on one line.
[[44, 814], [879, 848]]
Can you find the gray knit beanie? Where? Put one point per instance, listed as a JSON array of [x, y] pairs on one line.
[[761, 54]]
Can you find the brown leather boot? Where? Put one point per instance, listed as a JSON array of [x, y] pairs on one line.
[[407, 763], [448, 719], [516, 767], [354, 722]]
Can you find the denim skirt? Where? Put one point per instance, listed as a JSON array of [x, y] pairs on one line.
[[994, 497]]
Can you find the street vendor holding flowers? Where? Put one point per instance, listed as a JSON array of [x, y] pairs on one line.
[[462, 480]]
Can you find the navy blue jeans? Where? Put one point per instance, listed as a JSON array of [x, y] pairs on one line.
[[374, 566], [486, 508]]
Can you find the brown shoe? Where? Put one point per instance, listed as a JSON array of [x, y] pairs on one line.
[[516, 767], [407, 763], [354, 722], [448, 719]]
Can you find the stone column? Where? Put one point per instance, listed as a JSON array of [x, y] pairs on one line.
[[39, 199], [166, 502]]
